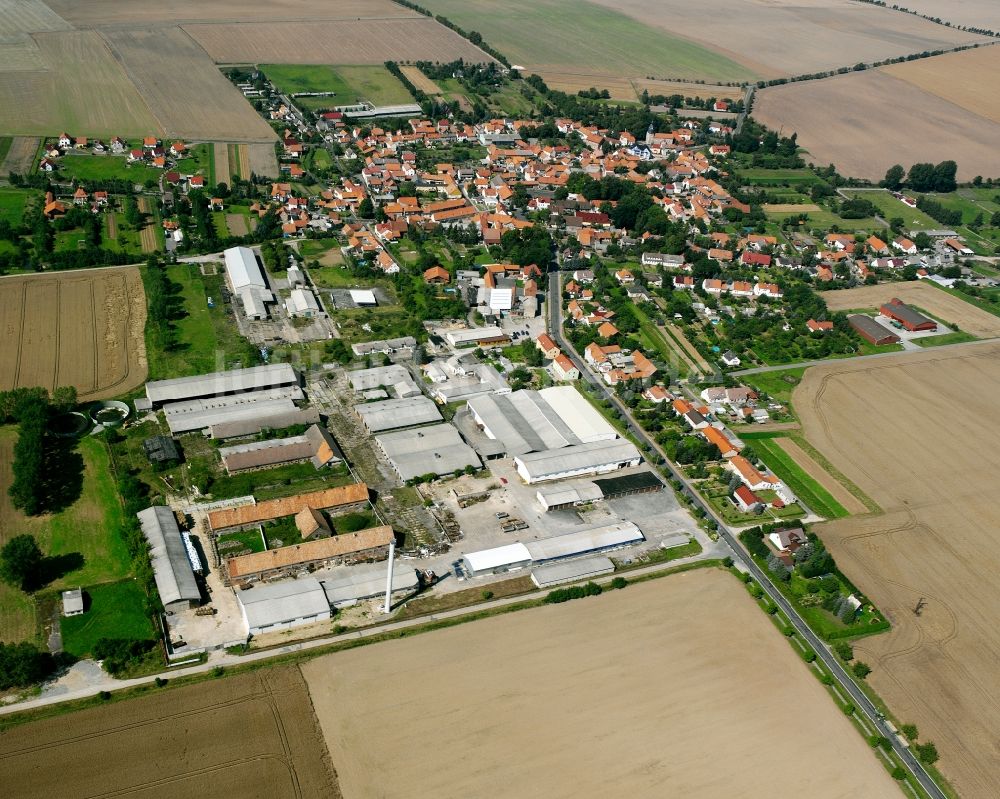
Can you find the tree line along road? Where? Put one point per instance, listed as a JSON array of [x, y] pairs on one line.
[[858, 697]]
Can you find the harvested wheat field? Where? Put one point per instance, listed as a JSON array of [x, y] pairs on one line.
[[83, 329], [981, 14], [808, 464], [139, 13], [249, 736], [359, 41], [220, 153], [886, 425], [863, 140], [958, 78], [153, 60], [790, 208], [935, 301], [572, 82], [262, 158], [676, 687], [85, 90], [420, 80]]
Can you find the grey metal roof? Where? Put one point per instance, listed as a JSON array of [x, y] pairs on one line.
[[395, 413], [283, 602], [171, 567], [579, 457], [365, 379], [437, 449], [198, 414], [215, 383], [594, 539], [556, 573], [865, 324], [273, 451], [274, 421], [348, 584], [242, 268]]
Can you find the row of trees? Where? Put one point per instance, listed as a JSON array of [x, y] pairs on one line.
[[922, 177]]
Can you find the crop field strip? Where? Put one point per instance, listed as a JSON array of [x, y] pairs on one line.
[[220, 152], [280, 754], [75, 329], [806, 486], [935, 540]]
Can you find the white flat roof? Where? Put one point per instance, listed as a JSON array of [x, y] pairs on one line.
[[498, 557], [215, 383], [363, 297], [585, 421]]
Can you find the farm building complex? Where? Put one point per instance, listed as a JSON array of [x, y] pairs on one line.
[[911, 319], [871, 331], [342, 499]]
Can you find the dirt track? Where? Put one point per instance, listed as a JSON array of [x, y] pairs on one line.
[[83, 329], [940, 303], [918, 432], [249, 736], [676, 687]]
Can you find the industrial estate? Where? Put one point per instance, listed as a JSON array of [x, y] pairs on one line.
[[591, 403]]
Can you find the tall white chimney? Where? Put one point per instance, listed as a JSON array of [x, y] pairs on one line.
[[388, 578]]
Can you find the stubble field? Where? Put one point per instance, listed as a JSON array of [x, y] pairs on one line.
[[918, 433], [83, 329], [246, 737], [175, 78], [939, 303], [358, 41], [843, 121], [674, 687], [984, 14]]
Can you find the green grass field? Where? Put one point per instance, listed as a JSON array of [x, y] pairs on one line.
[[74, 166], [826, 220], [350, 84], [206, 339], [779, 177], [13, 202], [547, 34], [777, 384], [116, 610], [958, 337], [891, 208], [817, 498]]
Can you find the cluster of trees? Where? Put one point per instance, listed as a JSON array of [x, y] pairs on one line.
[[767, 149], [857, 208], [122, 655], [27, 489], [573, 592], [634, 208], [922, 177], [161, 302], [23, 665], [21, 562], [937, 212]]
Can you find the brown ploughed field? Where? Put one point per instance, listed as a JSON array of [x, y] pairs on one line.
[[83, 329], [249, 736], [842, 120], [918, 432], [416, 76], [675, 687], [939, 303]]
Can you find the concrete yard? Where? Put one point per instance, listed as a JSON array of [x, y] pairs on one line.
[[641, 693]]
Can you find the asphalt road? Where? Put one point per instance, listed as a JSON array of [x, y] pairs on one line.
[[846, 682]]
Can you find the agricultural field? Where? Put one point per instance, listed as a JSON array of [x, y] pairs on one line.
[[179, 742], [88, 528], [813, 486], [554, 690], [420, 80], [111, 13], [375, 84], [819, 217], [788, 37], [935, 542], [262, 159], [970, 13], [547, 36], [863, 141], [356, 41], [86, 91], [76, 166], [20, 155], [147, 56], [83, 329], [937, 302], [957, 78]]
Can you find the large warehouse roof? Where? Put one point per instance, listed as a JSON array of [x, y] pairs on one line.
[[242, 269], [565, 572], [596, 539], [367, 379], [183, 417], [316, 445], [287, 506], [216, 383], [283, 602], [580, 459], [394, 413], [272, 421], [172, 570], [437, 449], [535, 421]]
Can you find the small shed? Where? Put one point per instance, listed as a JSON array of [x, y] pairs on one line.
[[72, 602]]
